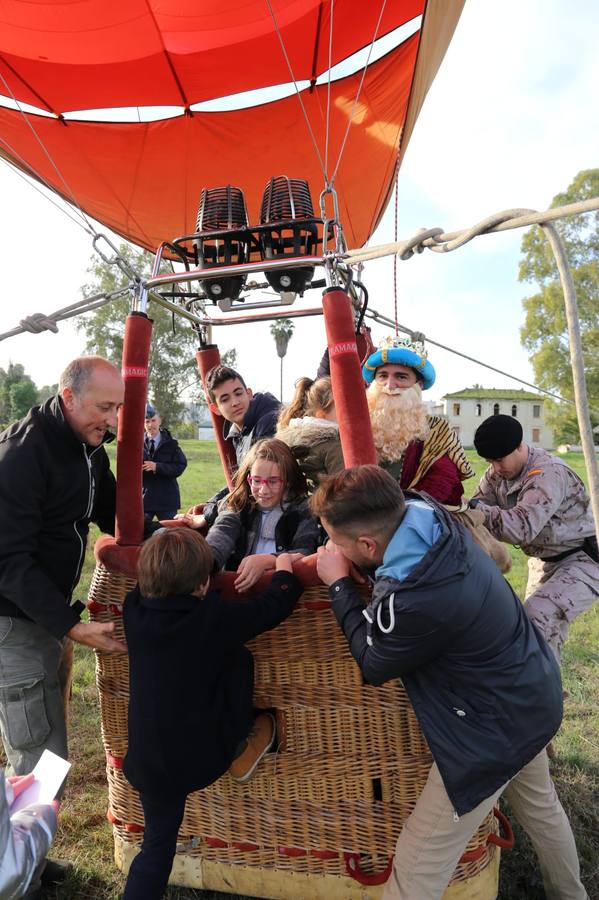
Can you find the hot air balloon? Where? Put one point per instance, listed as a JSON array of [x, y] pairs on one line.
[[256, 112]]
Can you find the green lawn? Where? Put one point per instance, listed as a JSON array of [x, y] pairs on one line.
[[85, 836]]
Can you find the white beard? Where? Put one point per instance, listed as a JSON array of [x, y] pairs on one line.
[[397, 417]]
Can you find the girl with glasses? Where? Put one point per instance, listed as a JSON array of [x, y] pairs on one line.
[[265, 514]]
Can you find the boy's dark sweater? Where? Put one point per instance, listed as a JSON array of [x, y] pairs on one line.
[[190, 680]]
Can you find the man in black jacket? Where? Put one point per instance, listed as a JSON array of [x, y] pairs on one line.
[[55, 479], [482, 681], [163, 462]]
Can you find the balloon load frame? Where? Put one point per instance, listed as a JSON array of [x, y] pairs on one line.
[[321, 817]]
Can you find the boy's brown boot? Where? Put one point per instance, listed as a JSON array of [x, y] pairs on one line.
[[259, 741]]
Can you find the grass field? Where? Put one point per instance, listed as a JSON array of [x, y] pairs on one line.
[[85, 837]]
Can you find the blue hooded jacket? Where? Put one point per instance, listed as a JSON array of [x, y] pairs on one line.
[[484, 685]]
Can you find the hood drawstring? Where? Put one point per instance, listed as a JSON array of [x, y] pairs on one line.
[[391, 624], [370, 622], [374, 609]]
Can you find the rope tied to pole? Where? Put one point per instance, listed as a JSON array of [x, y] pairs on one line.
[[439, 241]]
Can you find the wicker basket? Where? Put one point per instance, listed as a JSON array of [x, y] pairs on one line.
[[321, 816]]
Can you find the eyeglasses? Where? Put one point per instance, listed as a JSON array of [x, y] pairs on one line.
[[256, 482]]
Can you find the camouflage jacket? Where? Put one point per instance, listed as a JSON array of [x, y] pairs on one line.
[[545, 510]]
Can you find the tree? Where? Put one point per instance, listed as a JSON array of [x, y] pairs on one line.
[[173, 372], [23, 395], [48, 390], [18, 393], [281, 330], [545, 332]]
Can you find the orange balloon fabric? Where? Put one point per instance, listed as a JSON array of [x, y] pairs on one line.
[[143, 180]]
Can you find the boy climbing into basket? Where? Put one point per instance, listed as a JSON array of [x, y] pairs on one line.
[[191, 716]]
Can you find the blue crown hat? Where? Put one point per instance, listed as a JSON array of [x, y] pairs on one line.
[[150, 411], [400, 352]]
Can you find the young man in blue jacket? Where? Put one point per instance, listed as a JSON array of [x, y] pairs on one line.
[[483, 683]]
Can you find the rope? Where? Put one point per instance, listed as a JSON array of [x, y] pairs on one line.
[[395, 255], [328, 118], [358, 92], [297, 90], [48, 155], [420, 336], [28, 181], [39, 322], [440, 242], [577, 364]]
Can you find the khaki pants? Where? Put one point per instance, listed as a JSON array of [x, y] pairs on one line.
[[558, 592], [35, 681], [432, 842]]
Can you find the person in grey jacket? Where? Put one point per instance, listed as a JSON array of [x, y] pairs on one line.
[[25, 838], [534, 500], [483, 683]]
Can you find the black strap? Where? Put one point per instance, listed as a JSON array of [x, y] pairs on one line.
[[589, 546]]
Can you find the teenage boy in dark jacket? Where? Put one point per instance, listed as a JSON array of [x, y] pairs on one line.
[[191, 684], [248, 417], [483, 683], [163, 462]]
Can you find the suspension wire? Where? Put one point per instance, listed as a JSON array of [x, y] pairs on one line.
[[48, 156], [358, 92], [297, 90], [385, 320], [328, 117], [395, 257], [30, 181]]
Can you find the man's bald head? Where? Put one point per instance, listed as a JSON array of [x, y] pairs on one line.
[[92, 392], [80, 371]]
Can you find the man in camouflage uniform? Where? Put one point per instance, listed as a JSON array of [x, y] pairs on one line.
[[535, 501]]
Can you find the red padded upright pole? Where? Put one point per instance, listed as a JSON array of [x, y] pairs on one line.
[[346, 377], [207, 358], [129, 453]]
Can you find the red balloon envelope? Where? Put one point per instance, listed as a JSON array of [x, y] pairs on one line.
[[143, 179]]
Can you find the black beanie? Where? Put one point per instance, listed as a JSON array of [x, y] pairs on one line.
[[497, 437]]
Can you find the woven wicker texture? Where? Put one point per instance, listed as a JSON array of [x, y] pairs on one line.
[[349, 766]]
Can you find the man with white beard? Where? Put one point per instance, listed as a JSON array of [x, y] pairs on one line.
[[422, 452]]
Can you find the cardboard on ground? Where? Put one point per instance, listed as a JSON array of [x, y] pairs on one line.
[[50, 772]]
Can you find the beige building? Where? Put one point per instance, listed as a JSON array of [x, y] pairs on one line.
[[465, 410]]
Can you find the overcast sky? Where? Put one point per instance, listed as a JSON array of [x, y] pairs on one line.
[[510, 120]]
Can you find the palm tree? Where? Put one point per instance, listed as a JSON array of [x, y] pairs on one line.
[[281, 330]]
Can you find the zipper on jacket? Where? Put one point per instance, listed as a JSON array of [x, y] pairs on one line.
[[86, 514]]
